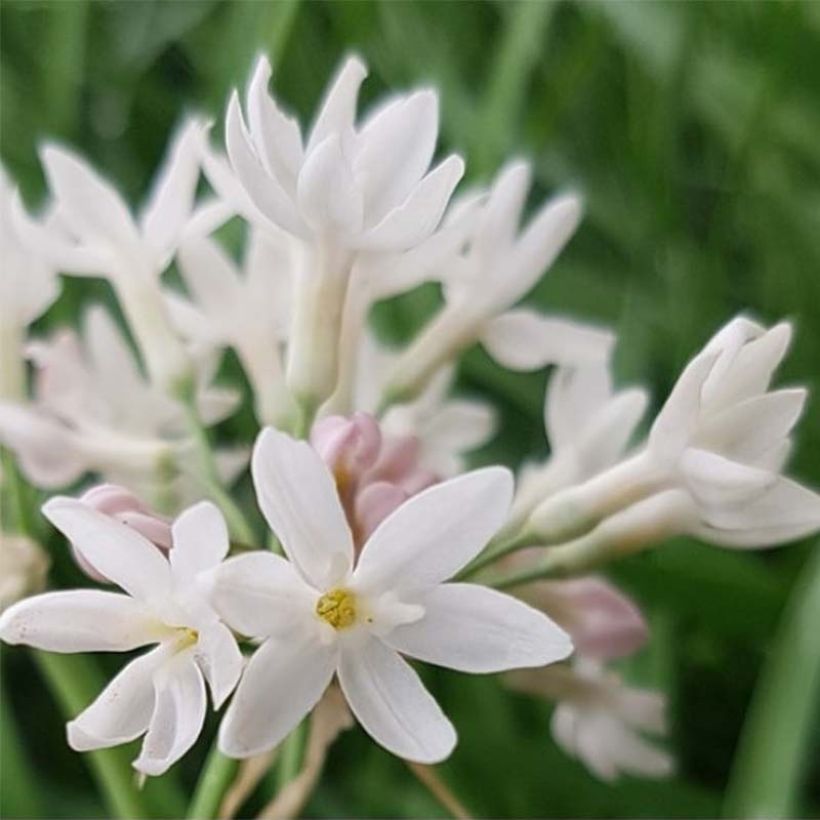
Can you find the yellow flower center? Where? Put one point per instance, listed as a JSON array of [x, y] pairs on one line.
[[337, 608], [187, 637]]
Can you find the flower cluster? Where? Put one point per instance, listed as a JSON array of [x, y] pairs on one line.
[[382, 545]]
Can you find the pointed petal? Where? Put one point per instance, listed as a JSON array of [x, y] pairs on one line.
[[298, 498], [475, 629], [282, 683], [179, 714], [217, 655], [113, 549], [417, 217], [499, 219], [460, 426], [80, 620], [436, 533], [122, 711], [716, 480], [260, 593], [328, 196], [210, 276], [200, 538], [390, 701], [524, 339], [338, 112]]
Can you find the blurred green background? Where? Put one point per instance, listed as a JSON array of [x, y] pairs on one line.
[[693, 129]]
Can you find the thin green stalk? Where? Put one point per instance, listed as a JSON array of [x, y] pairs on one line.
[[774, 747], [217, 775], [292, 754], [520, 540], [75, 681], [21, 795], [209, 476]]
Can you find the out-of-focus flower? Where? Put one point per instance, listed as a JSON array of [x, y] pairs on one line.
[[246, 310], [93, 411], [343, 191], [603, 622], [588, 426], [91, 232], [23, 568], [599, 720], [712, 464], [28, 286], [160, 694], [499, 268], [319, 615], [125, 507]]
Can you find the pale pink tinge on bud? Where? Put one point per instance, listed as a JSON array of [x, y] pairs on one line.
[[604, 623], [374, 503], [348, 446], [127, 508]]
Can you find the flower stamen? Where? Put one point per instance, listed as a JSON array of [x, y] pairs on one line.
[[337, 607]]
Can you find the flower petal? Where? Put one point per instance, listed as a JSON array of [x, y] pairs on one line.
[[433, 535], [526, 340], [475, 629], [298, 498], [338, 112], [200, 538], [328, 196], [179, 714], [260, 594], [210, 276], [715, 480], [113, 549], [390, 701], [283, 681], [217, 655], [80, 620], [122, 711]]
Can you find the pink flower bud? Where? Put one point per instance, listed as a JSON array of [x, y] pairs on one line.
[[603, 622], [374, 503], [125, 507], [349, 446]]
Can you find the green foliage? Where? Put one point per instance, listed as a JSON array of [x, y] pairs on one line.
[[692, 130]]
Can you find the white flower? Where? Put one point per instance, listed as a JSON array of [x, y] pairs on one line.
[[28, 287], [447, 428], [162, 693], [344, 191], [600, 721], [499, 268], [588, 426], [317, 614], [246, 310], [94, 411], [92, 232], [23, 568], [712, 464]]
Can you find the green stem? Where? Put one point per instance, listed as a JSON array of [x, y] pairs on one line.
[[209, 475], [21, 793], [217, 775], [494, 551], [292, 754], [74, 682], [774, 747]]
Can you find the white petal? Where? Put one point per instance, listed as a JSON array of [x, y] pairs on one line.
[[281, 684], [93, 209], [113, 549], [218, 656], [436, 533], [574, 394], [460, 426], [210, 276], [786, 512], [122, 711], [475, 629], [538, 246], [749, 428], [277, 137], [260, 593], [49, 454], [338, 112], [329, 198], [498, 221], [297, 495], [526, 340], [265, 192], [390, 701], [80, 620], [172, 198], [395, 147], [716, 480], [200, 538], [418, 216], [179, 713]]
